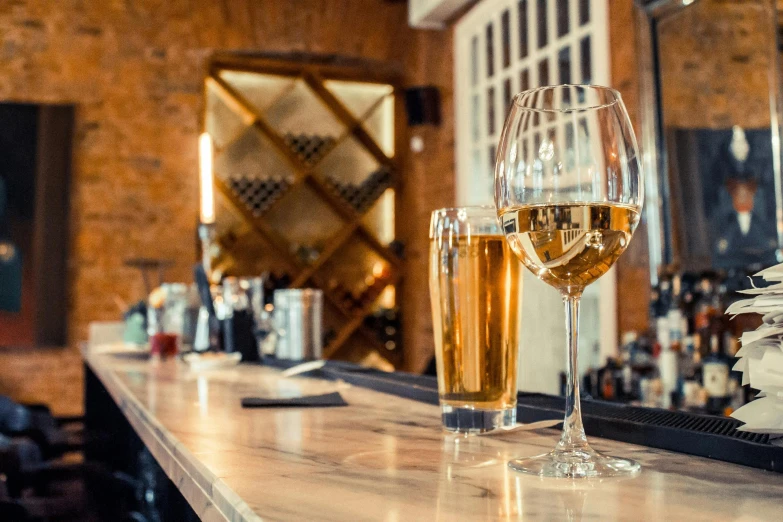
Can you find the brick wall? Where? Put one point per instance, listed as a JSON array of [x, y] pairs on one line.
[[633, 272], [715, 58], [134, 69]]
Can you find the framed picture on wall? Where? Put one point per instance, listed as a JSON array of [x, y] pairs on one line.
[[723, 186]]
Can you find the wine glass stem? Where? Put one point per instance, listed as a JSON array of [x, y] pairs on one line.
[[573, 438]]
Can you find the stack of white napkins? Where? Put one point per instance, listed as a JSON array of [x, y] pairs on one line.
[[761, 356]]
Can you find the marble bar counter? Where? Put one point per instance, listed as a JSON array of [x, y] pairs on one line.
[[385, 458]]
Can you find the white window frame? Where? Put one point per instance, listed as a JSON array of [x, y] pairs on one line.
[[474, 185]]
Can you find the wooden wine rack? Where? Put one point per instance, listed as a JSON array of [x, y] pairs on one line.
[[252, 199]]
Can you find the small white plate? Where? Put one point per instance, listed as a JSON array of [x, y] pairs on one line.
[[211, 360]]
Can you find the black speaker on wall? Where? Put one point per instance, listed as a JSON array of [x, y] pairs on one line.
[[422, 105]]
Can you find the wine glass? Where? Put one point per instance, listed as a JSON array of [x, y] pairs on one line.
[[568, 190]]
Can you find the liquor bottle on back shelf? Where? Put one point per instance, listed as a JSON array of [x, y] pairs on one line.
[[688, 303], [705, 312], [629, 382], [689, 385], [715, 376], [675, 317], [667, 361], [720, 322], [608, 382], [738, 395], [664, 296], [630, 347], [590, 383], [655, 301]]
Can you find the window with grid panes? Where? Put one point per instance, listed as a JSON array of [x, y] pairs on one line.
[[503, 47]]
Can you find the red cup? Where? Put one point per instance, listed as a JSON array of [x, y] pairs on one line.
[[163, 344]]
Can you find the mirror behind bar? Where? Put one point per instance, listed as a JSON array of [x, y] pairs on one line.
[[710, 106]]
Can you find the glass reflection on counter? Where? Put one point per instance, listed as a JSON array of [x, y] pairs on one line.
[[202, 387], [474, 468]]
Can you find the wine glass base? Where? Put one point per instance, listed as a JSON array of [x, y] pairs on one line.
[[582, 463]]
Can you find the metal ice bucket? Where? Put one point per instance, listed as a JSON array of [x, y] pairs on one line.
[[298, 323]]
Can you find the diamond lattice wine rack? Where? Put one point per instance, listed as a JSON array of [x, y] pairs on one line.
[[306, 179]]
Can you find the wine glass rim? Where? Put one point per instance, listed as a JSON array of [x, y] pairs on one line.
[[582, 108]]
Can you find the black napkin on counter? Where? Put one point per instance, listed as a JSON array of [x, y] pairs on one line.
[[307, 401]]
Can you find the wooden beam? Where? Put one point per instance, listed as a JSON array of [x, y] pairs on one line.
[[379, 247], [356, 321], [369, 335], [316, 83], [350, 214], [334, 243], [261, 124], [336, 202], [361, 71], [259, 226], [345, 333], [246, 111]]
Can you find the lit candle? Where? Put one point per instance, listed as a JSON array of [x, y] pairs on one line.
[[205, 176]]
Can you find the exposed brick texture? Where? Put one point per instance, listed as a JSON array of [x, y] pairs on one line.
[[715, 62], [134, 69]]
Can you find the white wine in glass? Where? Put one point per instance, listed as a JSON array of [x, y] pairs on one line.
[[569, 246], [568, 191]]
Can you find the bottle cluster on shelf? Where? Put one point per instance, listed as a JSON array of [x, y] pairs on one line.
[[307, 254], [355, 298], [685, 361], [258, 194], [309, 148], [362, 196], [385, 323], [277, 280]]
